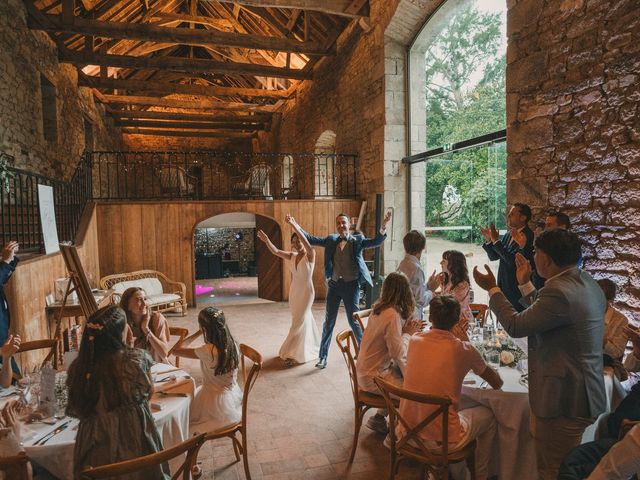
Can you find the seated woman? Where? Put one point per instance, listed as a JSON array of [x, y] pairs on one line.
[[109, 389], [8, 350], [145, 329], [10, 436], [615, 337], [454, 281], [383, 349], [218, 402]]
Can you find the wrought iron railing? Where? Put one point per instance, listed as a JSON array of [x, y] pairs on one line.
[[211, 175], [19, 202]]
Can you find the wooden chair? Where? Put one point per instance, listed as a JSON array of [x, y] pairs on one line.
[[15, 467], [411, 445], [362, 315], [479, 311], [49, 343], [190, 447], [240, 447], [181, 333], [363, 401], [256, 184], [175, 181]]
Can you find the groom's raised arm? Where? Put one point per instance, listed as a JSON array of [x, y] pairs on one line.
[[312, 239]]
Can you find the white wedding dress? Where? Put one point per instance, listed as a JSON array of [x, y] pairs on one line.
[[303, 341]]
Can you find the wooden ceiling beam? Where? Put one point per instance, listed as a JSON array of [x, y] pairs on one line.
[[188, 125], [169, 18], [191, 65], [185, 133], [183, 36], [189, 117], [330, 7], [198, 103], [179, 88]]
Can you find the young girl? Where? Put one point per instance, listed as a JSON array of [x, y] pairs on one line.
[[303, 341], [145, 329], [218, 402], [109, 389], [454, 281]]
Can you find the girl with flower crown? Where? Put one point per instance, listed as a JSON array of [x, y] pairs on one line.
[[109, 389], [218, 402]]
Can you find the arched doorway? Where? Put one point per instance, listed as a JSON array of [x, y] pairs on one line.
[[231, 265]]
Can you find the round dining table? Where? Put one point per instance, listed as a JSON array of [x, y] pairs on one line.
[[173, 392]]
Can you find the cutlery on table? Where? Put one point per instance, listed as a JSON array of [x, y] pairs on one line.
[[172, 377], [173, 394], [55, 431]]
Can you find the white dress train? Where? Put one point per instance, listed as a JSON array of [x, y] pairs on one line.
[[303, 341]]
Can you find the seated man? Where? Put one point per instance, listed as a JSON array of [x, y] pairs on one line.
[[437, 362], [615, 336]]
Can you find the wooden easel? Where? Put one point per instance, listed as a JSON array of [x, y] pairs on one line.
[[77, 283]]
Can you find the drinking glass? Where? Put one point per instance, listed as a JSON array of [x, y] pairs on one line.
[[493, 358]]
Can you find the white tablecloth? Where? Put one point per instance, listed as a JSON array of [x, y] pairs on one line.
[[513, 456], [172, 422]]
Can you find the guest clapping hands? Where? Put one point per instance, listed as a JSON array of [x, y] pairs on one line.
[[8, 350]]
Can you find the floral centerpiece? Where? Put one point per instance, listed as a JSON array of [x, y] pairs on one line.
[[510, 353]]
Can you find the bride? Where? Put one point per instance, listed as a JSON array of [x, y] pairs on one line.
[[302, 342]]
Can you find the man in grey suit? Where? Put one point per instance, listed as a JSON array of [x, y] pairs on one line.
[[564, 322]]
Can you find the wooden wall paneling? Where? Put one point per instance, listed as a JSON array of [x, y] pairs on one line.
[[269, 266], [106, 240], [149, 245], [132, 233]]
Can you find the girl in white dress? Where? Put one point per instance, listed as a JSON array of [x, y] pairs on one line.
[[218, 402], [303, 341]]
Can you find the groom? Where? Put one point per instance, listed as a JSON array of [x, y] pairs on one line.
[[345, 271]]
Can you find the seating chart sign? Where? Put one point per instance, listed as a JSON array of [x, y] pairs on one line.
[[48, 219]]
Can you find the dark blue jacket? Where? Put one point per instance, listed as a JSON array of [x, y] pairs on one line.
[[505, 251], [359, 243], [6, 269]]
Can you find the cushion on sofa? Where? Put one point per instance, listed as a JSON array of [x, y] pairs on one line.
[[164, 298], [151, 286]]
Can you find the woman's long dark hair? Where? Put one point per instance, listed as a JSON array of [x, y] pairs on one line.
[[396, 293], [457, 267], [93, 370], [216, 332]]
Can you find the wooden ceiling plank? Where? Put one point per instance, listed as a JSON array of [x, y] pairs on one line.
[[178, 64], [191, 117], [188, 125], [179, 88], [185, 133], [146, 32], [170, 18]]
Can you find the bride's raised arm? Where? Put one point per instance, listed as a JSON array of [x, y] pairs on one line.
[[272, 248], [311, 253]]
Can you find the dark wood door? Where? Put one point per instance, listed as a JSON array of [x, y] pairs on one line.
[[268, 265]]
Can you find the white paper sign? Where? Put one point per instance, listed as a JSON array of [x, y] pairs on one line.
[[48, 219]]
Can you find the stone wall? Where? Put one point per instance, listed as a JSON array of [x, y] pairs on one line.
[[24, 56], [573, 134], [208, 241]]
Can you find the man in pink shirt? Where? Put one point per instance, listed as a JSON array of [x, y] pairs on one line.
[[437, 362]]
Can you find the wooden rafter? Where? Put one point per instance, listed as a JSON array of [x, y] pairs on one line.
[[197, 103], [189, 125], [332, 7], [186, 133], [179, 64], [169, 88], [189, 117], [185, 36]]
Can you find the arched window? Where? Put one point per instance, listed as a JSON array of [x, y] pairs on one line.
[[459, 62], [324, 177]]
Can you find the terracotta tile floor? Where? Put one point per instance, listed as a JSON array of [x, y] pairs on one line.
[[301, 418]]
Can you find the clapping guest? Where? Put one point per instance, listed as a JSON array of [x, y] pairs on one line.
[[454, 281], [437, 362], [218, 402], [8, 263], [8, 350], [414, 243], [109, 389], [145, 329], [383, 348], [519, 239], [615, 336]]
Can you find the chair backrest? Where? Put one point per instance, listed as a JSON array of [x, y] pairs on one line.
[[259, 179], [190, 447], [250, 379], [412, 432], [362, 315], [49, 343], [479, 311], [347, 344], [15, 467], [181, 333], [172, 178]]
